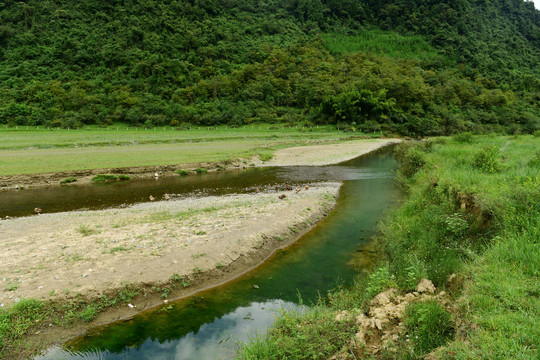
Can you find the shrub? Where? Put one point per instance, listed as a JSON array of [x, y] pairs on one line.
[[201, 171], [465, 137], [455, 224], [428, 325], [104, 178], [412, 162], [378, 281], [68, 180], [123, 177], [487, 160], [182, 172]]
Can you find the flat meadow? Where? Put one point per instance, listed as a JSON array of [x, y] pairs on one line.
[[33, 150]]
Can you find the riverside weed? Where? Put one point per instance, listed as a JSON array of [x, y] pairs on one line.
[[68, 180], [300, 334], [428, 325]]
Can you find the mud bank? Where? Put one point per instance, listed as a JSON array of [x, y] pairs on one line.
[[26, 181]]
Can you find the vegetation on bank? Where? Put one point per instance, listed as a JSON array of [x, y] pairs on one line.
[[408, 67], [471, 224], [32, 316]]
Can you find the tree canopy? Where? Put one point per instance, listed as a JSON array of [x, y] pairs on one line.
[[412, 67]]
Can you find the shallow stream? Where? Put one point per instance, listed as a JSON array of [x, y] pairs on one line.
[[210, 324]]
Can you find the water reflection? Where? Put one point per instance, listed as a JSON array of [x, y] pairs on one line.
[[215, 340]]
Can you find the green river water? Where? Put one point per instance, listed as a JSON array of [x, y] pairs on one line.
[[210, 324]]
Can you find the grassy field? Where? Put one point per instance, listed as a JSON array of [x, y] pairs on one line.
[[473, 210], [24, 137], [39, 150]]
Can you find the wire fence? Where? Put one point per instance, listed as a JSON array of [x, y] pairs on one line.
[[172, 128]]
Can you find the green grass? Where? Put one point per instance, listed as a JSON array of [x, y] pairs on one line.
[[474, 208], [15, 321], [382, 43], [40, 138], [43, 151], [300, 334], [86, 230], [104, 178], [29, 316], [428, 326]]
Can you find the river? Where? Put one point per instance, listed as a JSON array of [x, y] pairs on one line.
[[210, 324]]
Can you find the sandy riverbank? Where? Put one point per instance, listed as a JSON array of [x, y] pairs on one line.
[[61, 255], [318, 155]]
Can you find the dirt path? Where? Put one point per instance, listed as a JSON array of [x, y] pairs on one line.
[[54, 256]]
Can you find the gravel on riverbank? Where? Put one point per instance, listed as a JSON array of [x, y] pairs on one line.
[[60, 255]]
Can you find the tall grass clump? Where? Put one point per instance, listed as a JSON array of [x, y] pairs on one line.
[[465, 137], [487, 160], [428, 326], [300, 334]]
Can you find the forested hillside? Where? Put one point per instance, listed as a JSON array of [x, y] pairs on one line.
[[411, 67]]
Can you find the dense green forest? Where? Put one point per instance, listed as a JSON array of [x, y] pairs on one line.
[[409, 67]]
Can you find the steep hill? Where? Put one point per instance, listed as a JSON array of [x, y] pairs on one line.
[[416, 67]]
